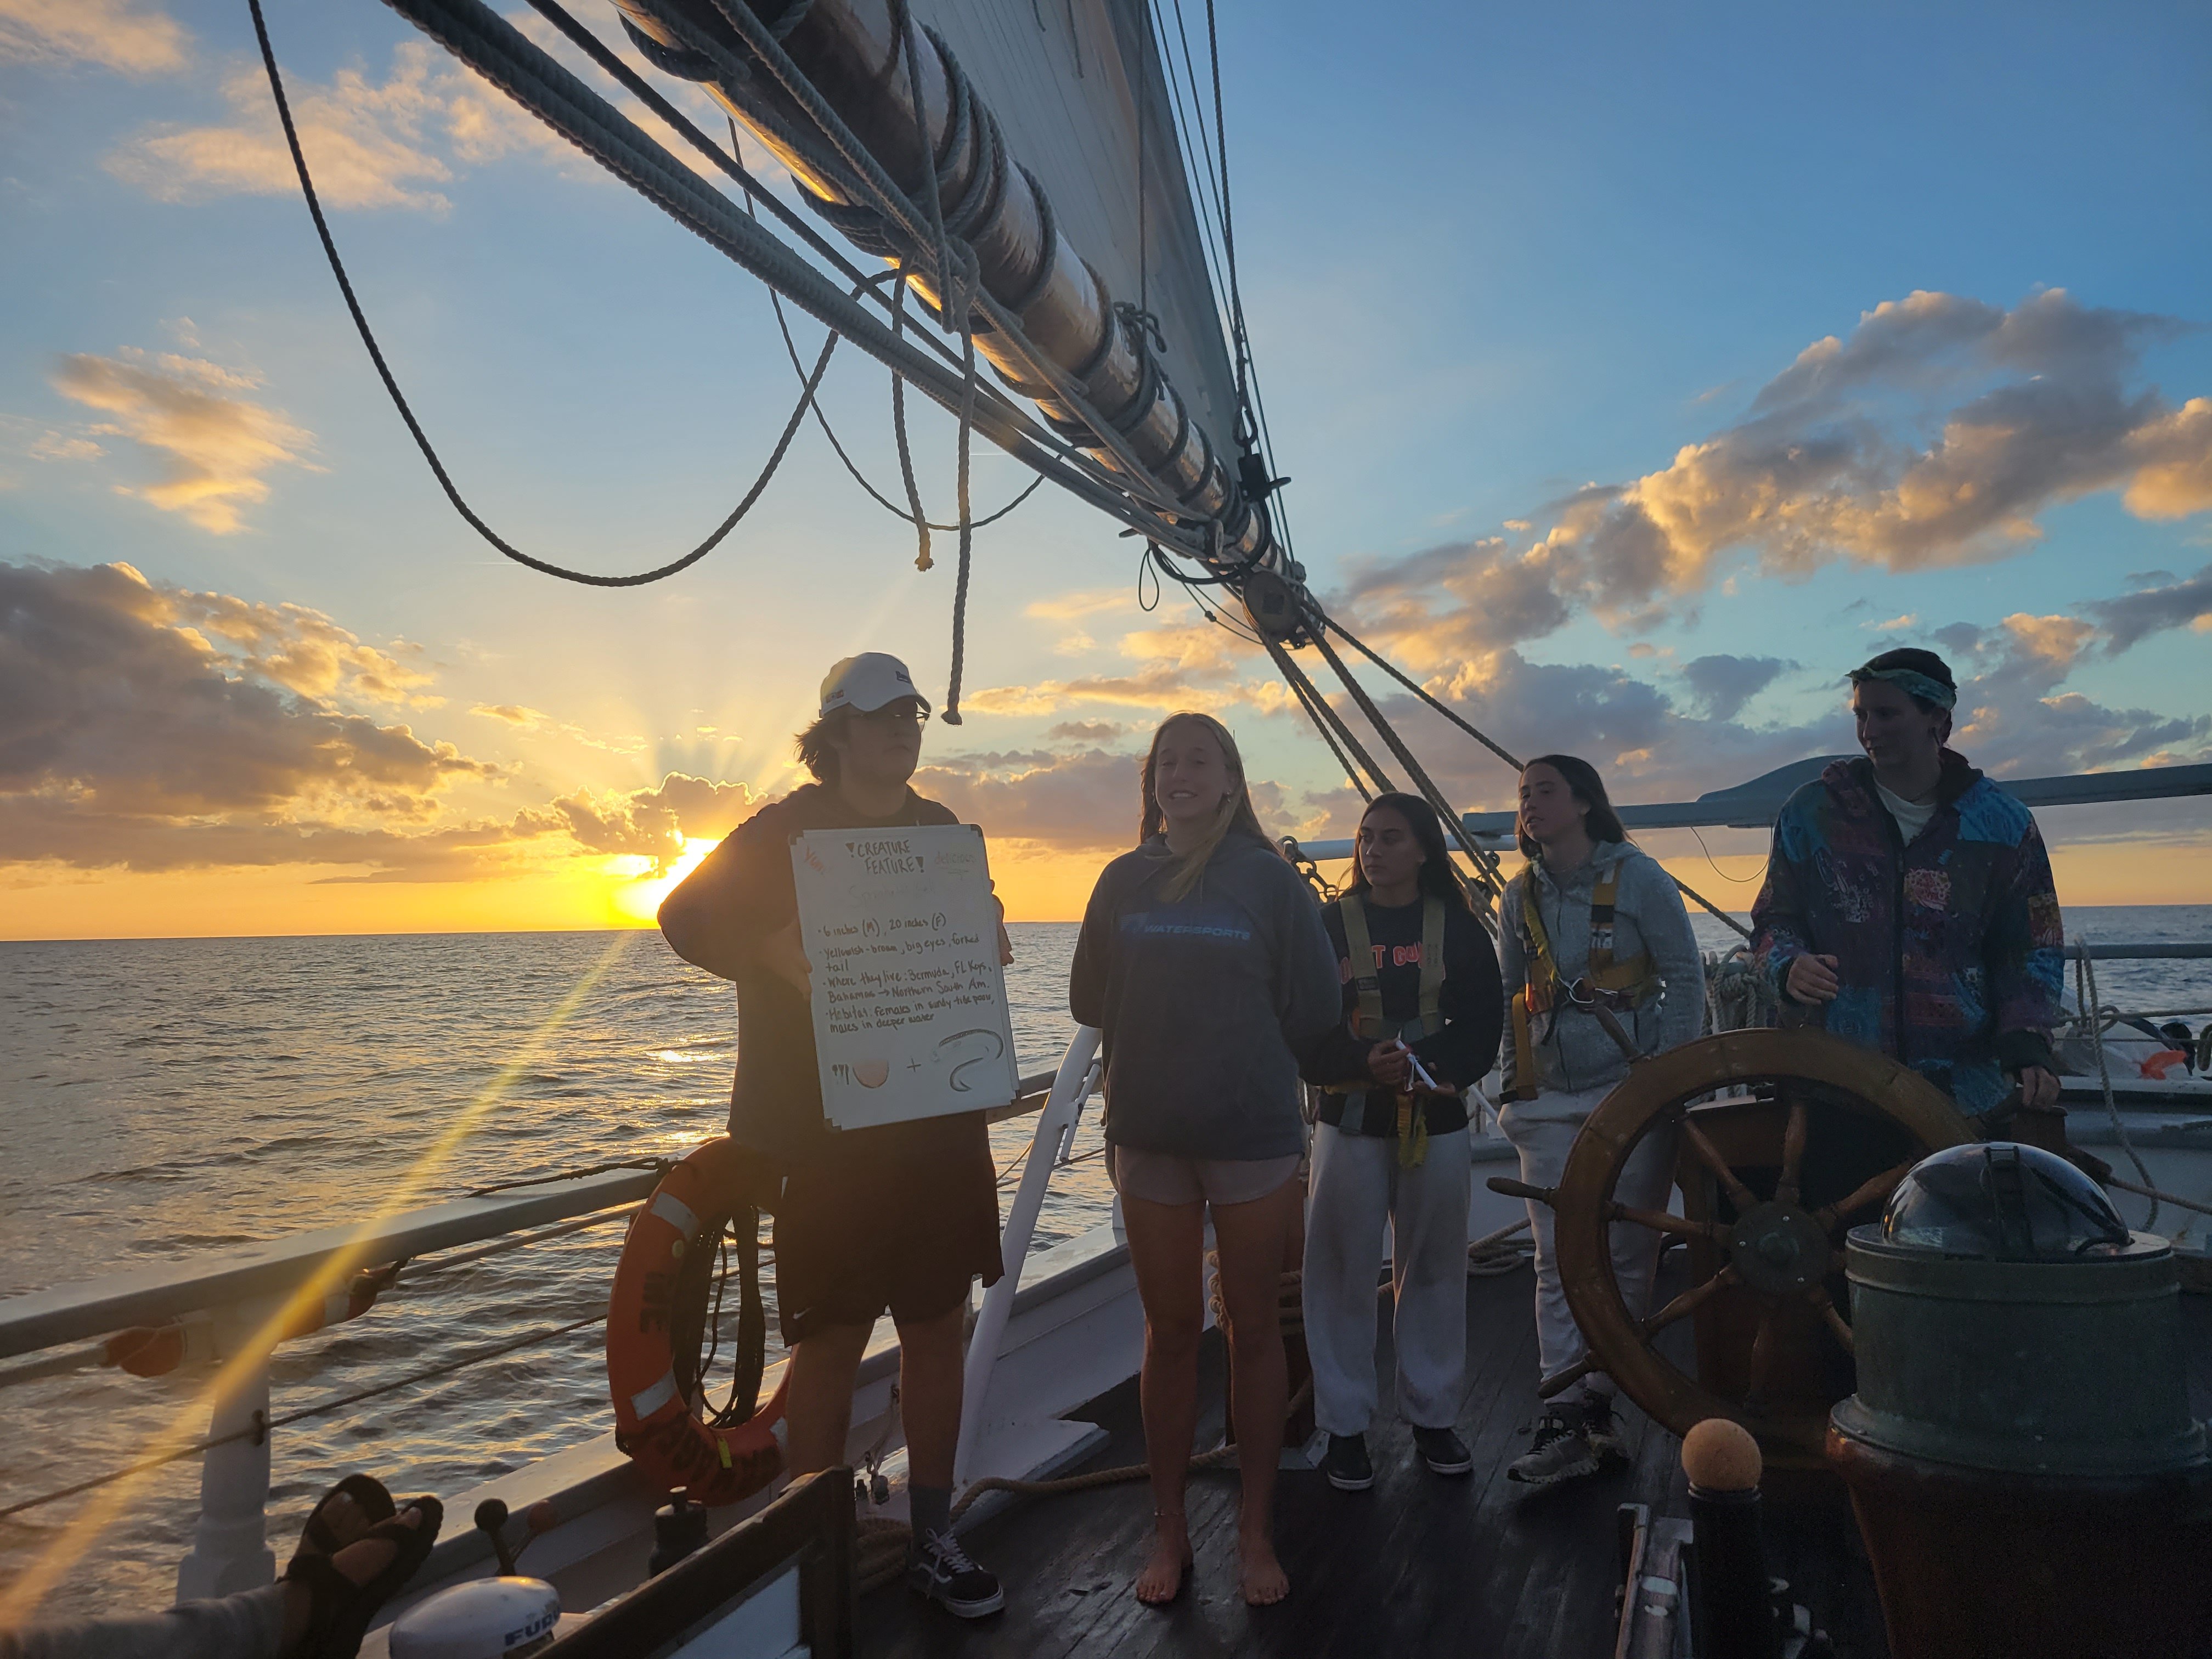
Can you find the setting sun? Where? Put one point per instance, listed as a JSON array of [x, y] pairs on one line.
[[640, 899]]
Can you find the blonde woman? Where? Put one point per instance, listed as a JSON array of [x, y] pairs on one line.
[[1204, 961]]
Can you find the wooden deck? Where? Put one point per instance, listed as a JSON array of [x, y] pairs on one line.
[[1417, 1564]]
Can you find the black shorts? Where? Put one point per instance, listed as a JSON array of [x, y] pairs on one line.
[[898, 1221]]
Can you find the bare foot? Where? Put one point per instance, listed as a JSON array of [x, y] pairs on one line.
[[1265, 1581], [1161, 1579]]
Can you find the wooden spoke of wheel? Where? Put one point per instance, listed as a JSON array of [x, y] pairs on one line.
[[1710, 1155], [1666, 1221], [1689, 1300], [1762, 1357], [1793, 1149], [1554, 1386], [1842, 1332], [1874, 1191]]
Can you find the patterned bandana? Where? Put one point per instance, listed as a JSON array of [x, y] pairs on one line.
[[1912, 683]]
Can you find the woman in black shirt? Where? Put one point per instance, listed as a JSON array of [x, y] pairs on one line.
[[1422, 1013]]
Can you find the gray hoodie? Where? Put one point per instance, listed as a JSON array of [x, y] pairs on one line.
[[1206, 1001], [1648, 917]]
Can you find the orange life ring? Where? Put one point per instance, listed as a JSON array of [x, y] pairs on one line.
[[655, 1423]]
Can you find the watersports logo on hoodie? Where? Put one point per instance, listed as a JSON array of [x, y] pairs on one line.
[[1183, 922]]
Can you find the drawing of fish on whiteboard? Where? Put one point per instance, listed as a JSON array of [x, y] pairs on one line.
[[968, 1049]]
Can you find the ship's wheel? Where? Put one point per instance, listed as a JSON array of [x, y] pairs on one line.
[[1808, 1137]]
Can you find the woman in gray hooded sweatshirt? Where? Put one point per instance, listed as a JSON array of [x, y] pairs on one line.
[[1589, 918], [1203, 960]]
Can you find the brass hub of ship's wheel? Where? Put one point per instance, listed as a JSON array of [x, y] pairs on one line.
[[1809, 1135]]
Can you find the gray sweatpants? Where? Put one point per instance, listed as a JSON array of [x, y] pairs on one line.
[[1541, 1131], [247, 1626], [1355, 1189]]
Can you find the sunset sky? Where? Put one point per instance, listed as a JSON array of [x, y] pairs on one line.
[[1639, 370]]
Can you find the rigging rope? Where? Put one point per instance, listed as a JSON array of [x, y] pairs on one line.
[[1228, 225], [415, 427], [919, 520], [1452, 715], [1485, 861], [956, 288], [2085, 998], [1317, 706], [263, 1427], [1351, 772], [791, 348]]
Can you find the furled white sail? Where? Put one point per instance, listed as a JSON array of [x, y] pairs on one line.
[[1065, 78]]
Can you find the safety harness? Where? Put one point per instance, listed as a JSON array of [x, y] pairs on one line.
[[1609, 985], [1368, 1020]]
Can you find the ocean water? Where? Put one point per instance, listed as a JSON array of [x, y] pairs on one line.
[[165, 1098]]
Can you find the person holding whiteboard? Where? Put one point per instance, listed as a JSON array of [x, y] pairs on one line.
[[1203, 960], [900, 1217]]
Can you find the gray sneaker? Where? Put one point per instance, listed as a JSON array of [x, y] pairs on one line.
[[1559, 1453]]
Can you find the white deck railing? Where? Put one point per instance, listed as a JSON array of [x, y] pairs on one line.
[[227, 1301]]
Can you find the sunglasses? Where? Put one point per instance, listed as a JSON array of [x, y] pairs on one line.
[[896, 716]]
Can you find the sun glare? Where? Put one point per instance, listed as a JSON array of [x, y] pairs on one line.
[[640, 900]]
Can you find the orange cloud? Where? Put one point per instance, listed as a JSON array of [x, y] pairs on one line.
[[393, 142], [2174, 475], [216, 443], [115, 35], [152, 727], [2031, 408]]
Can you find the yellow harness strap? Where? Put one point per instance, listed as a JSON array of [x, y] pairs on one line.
[[1368, 1020], [1626, 983]]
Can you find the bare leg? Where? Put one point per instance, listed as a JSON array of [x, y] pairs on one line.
[[1250, 1237], [930, 1366], [819, 1410], [1166, 1245]]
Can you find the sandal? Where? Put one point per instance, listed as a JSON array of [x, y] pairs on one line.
[[368, 1496], [339, 1609]]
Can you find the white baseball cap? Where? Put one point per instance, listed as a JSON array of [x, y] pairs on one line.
[[868, 682]]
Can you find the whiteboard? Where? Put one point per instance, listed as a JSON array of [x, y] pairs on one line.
[[909, 1001]]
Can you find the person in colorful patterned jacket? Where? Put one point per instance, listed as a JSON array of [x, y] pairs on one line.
[[1908, 901]]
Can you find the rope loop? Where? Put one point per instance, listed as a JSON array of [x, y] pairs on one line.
[[1144, 324], [415, 427]]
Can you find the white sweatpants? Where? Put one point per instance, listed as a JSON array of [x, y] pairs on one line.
[[1355, 1190], [1541, 1131]]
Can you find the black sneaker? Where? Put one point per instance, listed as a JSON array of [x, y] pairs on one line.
[[1347, 1465], [941, 1571], [1560, 1452], [1446, 1453], [1601, 1430]]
